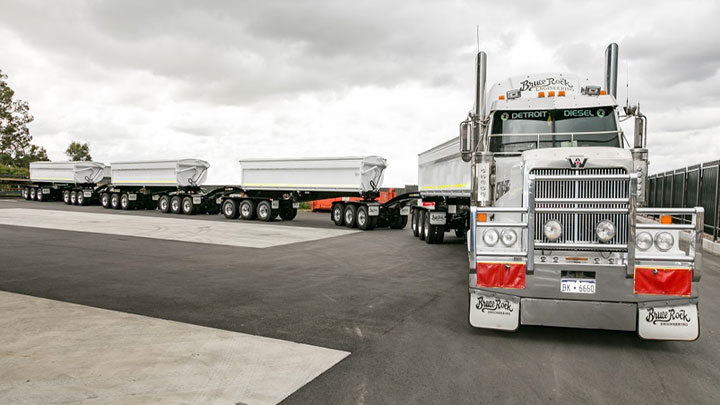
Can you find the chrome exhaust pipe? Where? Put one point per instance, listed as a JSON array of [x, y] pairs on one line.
[[480, 74], [611, 69]]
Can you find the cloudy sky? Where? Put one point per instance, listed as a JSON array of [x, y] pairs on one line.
[[224, 80]]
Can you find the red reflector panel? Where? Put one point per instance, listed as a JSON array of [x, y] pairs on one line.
[[652, 280], [501, 275]]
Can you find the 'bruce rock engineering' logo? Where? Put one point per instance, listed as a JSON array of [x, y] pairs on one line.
[[551, 83], [667, 317], [497, 305]]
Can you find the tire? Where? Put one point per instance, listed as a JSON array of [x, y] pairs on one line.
[[176, 204], [415, 225], [460, 233], [274, 214], [188, 208], [264, 211], [214, 209], [39, 195], [338, 214], [32, 192], [350, 215], [247, 210], [105, 200], [125, 202], [433, 233], [81, 198], [115, 201], [288, 214], [399, 222], [364, 220], [421, 225], [230, 209], [66, 197], [73, 198], [26, 193], [164, 203]]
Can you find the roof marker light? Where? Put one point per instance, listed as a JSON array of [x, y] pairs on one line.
[[603, 92], [561, 93], [501, 97], [541, 94], [551, 94]]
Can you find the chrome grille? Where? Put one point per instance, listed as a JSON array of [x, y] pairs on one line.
[[580, 227]]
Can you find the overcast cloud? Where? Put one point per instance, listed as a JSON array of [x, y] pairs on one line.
[[225, 80]]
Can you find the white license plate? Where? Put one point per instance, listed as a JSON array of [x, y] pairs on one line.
[[577, 286], [197, 200], [87, 193], [405, 211], [373, 211]]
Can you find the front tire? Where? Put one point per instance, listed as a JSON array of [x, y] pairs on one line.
[[230, 209]]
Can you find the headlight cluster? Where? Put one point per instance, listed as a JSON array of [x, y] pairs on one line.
[[605, 230], [491, 236], [664, 241]]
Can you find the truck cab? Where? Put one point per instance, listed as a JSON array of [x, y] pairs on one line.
[[558, 233]]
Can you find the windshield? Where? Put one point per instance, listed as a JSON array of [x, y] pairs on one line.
[[518, 131]]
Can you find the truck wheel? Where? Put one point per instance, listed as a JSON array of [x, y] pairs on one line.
[[264, 211], [188, 208], [433, 233], [362, 218], [115, 201], [73, 198], [230, 209], [105, 200], [125, 202], [39, 195], [176, 204], [288, 214], [421, 225], [33, 191], [460, 233], [399, 222], [214, 209], [274, 214], [25, 193], [338, 214], [81, 198], [247, 210], [415, 225], [66, 197], [164, 204], [350, 216]]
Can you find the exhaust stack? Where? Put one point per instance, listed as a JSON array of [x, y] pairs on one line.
[[480, 74], [611, 69]]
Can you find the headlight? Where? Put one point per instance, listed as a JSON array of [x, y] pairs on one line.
[[552, 230], [490, 237], [664, 241], [508, 237], [605, 231], [644, 240]]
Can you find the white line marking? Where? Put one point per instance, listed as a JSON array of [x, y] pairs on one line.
[[231, 233], [52, 351]]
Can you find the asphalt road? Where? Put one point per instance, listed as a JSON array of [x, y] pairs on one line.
[[398, 305]]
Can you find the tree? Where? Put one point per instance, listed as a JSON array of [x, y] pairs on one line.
[[15, 147], [78, 151]]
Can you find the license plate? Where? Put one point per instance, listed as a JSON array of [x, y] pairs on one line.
[[197, 200], [577, 286], [46, 191], [87, 193], [405, 211], [373, 211], [132, 197], [275, 204]]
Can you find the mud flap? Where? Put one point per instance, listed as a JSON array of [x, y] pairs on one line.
[[494, 312], [669, 322]]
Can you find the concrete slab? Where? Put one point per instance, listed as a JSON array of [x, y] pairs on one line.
[[52, 352], [231, 233]]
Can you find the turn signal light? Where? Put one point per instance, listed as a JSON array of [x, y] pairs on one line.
[[541, 94], [665, 219], [481, 217], [603, 92]]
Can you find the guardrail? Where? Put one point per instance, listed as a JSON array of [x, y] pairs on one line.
[[692, 186]]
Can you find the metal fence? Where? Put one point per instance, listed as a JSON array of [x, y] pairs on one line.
[[691, 186]]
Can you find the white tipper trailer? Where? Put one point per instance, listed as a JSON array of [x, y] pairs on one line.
[[275, 187], [75, 183], [169, 185]]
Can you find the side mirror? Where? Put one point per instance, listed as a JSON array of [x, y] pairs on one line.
[[466, 140]]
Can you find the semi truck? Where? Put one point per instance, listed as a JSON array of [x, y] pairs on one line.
[[551, 195], [74, 183]]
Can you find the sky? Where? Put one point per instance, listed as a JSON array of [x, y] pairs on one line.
[[225, 80]]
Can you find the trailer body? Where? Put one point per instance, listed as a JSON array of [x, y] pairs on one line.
[[75, 182], [160, 173]]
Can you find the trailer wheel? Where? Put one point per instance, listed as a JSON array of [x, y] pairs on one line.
[[188, 208], [115, 201], [247, 210], [338, 214], [125, 202], [288, 214], [350, 216], [264, 211], [66, 197], [399, 222], [81, 198], [415, 225], [39, 195], [73, 198], [176, 204], [105, 200], [421, 225], [164, 204], [364, 220], [33, 192], [433, 233], [214, 209], [26, 193], [230, 209], [274, 214]]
